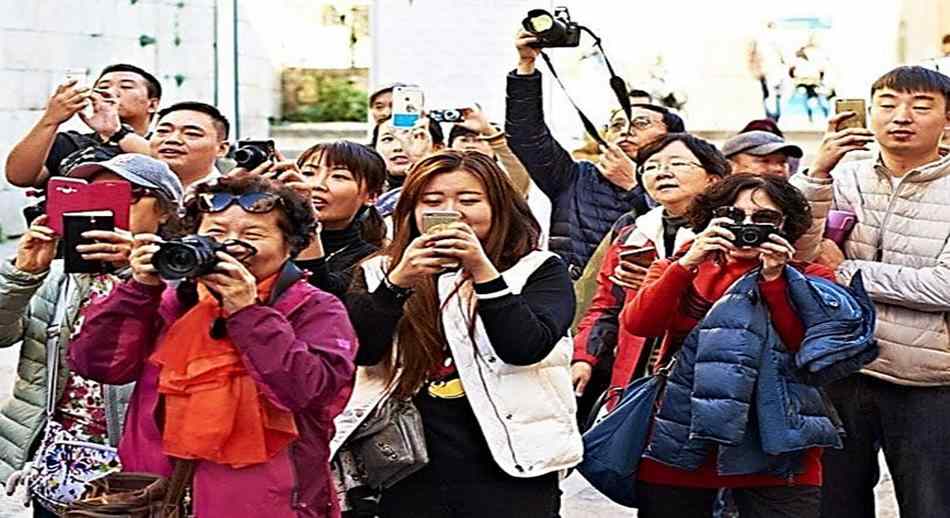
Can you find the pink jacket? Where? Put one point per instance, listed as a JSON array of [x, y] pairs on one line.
[[300, 350]]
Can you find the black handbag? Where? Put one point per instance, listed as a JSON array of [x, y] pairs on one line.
[[390, 443]]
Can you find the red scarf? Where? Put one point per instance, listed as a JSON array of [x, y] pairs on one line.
[[213, 409]]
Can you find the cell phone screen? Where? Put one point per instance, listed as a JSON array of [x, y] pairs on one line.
[[74, 225]]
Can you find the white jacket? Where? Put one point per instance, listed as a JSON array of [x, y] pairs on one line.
[[527, 413], [901, 243]]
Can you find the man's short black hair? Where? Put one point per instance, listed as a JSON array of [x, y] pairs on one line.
[[636, 92], [459, 131], [151, 82], [674, 123], [909, 79], [946, 39], [221, 123]]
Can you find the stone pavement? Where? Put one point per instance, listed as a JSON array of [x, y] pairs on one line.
[[579, 500]]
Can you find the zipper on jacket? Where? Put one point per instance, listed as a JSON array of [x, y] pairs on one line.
[[481, 377], [895, 190]]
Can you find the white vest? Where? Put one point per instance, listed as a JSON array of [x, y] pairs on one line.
[[527, 413]]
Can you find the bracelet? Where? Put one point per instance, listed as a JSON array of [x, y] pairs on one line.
[[401, 293]]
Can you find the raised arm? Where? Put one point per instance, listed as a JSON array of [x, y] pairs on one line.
[[548, 164]]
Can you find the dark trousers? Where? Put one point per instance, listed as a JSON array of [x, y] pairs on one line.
[[40, 512], [912, 425], [759, 502], [421, 497]]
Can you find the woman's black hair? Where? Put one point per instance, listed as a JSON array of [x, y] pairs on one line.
[[366, 165], [724, 193], [297, 222], [712, 160]]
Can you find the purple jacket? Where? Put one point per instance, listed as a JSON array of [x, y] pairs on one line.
[[300, 350]]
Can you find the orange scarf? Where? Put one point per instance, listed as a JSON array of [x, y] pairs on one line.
[[213, 409]]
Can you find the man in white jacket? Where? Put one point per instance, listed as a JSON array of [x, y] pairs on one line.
[[901, 245]]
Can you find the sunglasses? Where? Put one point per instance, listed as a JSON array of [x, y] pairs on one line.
[[141, 192], [762, 217], [254, 202]]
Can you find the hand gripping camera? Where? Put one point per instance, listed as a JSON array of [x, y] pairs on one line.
[[252, 153], [552, 31]]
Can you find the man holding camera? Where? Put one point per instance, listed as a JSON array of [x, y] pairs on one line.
[[587, 197], [901, 246], [190, 137], [124, 99]]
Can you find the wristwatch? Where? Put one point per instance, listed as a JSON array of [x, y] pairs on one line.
[[124, 131]]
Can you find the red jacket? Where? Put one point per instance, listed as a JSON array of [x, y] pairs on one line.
[[671, 303], [599, 330]]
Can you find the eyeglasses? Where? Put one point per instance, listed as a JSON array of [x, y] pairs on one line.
[[763, 216], [639, 123], [141, 192], [675, 166], [254, 202]]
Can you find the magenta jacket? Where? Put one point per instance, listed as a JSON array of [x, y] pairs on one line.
[[300, 350]]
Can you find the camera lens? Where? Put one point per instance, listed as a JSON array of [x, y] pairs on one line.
[[249, 157], [189, 257], [452, 116], [749, 237]]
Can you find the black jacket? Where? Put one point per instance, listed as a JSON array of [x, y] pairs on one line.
[[585, 204]]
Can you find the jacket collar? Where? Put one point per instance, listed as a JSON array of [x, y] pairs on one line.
[[925, 173]]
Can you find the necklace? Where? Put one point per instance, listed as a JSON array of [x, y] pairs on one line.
[[330, 257]]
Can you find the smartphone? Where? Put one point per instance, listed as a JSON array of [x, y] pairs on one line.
[[432, 221], [859, 120], [640, 256], [74, 225], [81, 76], [65, 195], [407, 106]]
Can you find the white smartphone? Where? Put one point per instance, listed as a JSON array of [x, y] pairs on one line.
[[407, 106], [81, 76]]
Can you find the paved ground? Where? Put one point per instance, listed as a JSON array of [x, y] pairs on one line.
[[580, 500]]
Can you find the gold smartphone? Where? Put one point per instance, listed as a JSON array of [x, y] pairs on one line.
[[433, 221], [859, 120]]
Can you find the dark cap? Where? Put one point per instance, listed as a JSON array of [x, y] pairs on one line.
[[140, 170], [760, 143]]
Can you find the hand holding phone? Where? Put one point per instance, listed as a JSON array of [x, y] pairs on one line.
[[75, 225], [856, 106], [632, 268], [408, 103], [81, 78], [437, 221]]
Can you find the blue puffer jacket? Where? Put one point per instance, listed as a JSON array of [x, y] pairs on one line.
[[585, 204], [736, 385]]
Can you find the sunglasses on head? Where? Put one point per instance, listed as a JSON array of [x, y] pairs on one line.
[[762, 217], [254, 202]]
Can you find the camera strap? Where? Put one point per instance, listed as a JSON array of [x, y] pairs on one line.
[[617, 85]]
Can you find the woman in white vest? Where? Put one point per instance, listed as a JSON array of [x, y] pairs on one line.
[[481, 317]]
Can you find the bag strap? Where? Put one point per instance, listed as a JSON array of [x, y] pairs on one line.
[[180, 480], [53, 335]]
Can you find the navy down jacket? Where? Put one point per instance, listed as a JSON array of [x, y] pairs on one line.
[[736, 385], [585, 204]]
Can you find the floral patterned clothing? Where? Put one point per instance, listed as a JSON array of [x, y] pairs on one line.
[[82, 410]]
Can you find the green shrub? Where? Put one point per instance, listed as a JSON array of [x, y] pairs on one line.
[[339, 100]]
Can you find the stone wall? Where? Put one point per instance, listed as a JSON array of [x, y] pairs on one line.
[[41, 39]]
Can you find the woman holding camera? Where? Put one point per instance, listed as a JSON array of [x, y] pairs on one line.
[[673, 170], [43, 306], [345, 179], [481, 319], [730, 219], [242, 381]]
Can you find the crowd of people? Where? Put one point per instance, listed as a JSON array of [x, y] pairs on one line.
[[424, 325]]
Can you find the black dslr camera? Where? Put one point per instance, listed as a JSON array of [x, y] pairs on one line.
[[187, 258], [456, 115], [552, 31], [753, 234], [252, 153]]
